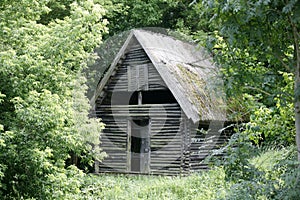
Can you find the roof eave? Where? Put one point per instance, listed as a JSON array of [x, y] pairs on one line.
[[110, 71]]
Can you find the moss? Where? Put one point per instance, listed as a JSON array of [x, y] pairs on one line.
[[197, 89]]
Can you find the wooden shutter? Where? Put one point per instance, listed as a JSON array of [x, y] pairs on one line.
[[132, 82], [138, 78], [143, 77]]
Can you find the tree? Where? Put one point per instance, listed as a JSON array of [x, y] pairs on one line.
[[269, 30], [125, 15], [43, 107]]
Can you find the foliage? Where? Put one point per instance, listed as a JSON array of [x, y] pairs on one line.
[[238, 152], [274, 175], [273, 125], [259, 172], [44, 103], [2, 145], [172, 14], [263, 34], [275, 179], [245, 24], [244, 72], [206, 185], [44, 47]]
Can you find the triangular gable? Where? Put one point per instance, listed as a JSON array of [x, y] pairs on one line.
[[174, 61]]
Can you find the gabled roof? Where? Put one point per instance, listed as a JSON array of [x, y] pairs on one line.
[[186, 69]]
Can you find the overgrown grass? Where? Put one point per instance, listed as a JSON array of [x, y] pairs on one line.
[[273, 179], [197, 186]]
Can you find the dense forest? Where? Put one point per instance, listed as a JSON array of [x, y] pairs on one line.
[[46, 45]]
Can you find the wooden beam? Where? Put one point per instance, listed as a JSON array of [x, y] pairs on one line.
[[128, 151], [140, 98]]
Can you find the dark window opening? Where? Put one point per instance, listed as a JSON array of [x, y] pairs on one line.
[[135, 144], [121, 98], [131, 98], [134, 98], [141, 122], [158, 97]]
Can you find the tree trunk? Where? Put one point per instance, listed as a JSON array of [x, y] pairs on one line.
[[297, 99], [297, 107], [297, 88], [297, 121]]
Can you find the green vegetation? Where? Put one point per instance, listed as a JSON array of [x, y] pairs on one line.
[[46, 45], [262, 36], [271, 176], [198, 186], [43, 108]]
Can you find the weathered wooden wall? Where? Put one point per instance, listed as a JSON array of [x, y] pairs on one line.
[[136, 72], [130, 70], [166, 136], [114, 143], [202, 144], [166, 140], [173, 150]]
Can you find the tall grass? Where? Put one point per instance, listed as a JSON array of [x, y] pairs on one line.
[[274, 177], [204, 185]]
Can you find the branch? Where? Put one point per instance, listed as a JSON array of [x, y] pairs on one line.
[[260, 90], [193, 2], [296, 46], [286, 66]]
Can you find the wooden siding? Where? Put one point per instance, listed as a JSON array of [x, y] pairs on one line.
[[165, 137], [175, 148], [202, 144], [166, 141], [175, 62], [133, 72], [114, 143]]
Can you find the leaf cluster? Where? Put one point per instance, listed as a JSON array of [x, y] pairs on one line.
[[44, 110]]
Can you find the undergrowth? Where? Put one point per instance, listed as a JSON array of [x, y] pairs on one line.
[[272, 174], [197, 186]]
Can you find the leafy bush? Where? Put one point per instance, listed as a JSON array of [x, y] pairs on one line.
[[44, 112], [275, 125], [259, 172], [277, 177]]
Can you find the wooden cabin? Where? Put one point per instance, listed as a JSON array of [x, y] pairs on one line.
[[154, 96]]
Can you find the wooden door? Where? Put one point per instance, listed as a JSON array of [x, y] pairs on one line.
[[139, 142]]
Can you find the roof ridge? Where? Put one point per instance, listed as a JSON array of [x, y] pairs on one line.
[[166, 35]]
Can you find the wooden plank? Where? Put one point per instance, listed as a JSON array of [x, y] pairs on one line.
[[162, 164], [168, 146], [169, 157], [137, 115], [144, 79], [135, 63], [165, 153], [128, 150], [144, 105], [112, 148]]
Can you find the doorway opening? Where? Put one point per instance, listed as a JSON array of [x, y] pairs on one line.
[[140, 145]]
